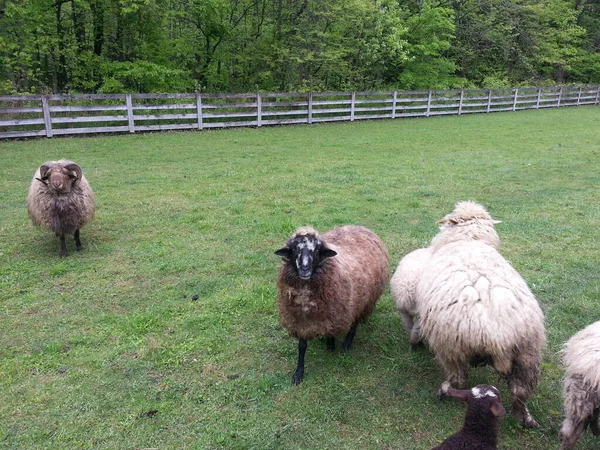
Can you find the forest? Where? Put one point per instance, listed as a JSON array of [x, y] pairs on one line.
[[153, 46]]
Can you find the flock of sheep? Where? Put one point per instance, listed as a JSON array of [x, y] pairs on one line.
[[459, 295]]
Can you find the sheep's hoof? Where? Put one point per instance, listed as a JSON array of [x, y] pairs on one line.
[[297, 378], [530, 422], [62, 253], [79, 248], [443, 390], [330, 342], [416, 345]]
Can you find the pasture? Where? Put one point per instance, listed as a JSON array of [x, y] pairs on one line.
[[163, 332]]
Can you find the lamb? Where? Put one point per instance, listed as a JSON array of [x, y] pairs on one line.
[[480, 429], [61, 200], [581, 386], [475, 308], [403, 286], [328, 284]]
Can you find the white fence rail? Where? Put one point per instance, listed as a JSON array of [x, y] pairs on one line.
[[55, 115]]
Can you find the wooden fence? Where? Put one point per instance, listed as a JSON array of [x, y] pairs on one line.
[[55, 115]]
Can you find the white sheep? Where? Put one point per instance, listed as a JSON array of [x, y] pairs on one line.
[[581, 386], [474, 307], [61, 200], [403, 288], [328, 284]]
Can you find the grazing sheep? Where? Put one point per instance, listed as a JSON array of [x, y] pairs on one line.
[[581, 388], [475, 308], [480, 429], [403, 286], [327, 284], [61, 200]]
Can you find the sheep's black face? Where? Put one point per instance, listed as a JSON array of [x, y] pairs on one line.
[[487, 398], [305, 253]]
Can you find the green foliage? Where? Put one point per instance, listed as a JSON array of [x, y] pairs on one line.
[[559, 37], [143, 76], [272, 45], [430, 35], [163, 332]]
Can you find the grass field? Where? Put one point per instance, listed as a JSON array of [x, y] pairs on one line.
[[163, 333]]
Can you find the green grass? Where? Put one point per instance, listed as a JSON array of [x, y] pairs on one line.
[[108, 348]]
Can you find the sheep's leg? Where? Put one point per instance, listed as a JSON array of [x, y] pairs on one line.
[[456, 376], [412, 326], [350, 336], [570, 431], [415, 335], [595, 423], [579, 411], [299, 373], [63, 246], [330, 342], [521, 381], [77, 240], [407, 322]]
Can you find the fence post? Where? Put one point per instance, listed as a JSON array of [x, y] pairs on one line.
[[310, 106], [394, 104], [427, 112], [258, 110], [352, 106], [559, 96], [489, 104], [515, 99], [129, 104], [539, 97], [597, 94], [47, 118], [460, 102], [199, 110], [579, 96]]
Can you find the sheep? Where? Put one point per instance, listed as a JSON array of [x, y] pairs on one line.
[[480, 429], [403, 285], [328, 284], [475, 308], [581, 385], [61, 200]]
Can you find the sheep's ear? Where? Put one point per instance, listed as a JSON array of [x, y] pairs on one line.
[[285, 253], [450, 220], [458, 393], [326, 252], [44, 168], [73, 168], [497, 409]]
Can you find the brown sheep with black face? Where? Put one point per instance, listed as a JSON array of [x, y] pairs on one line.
[[328, 284], [61, 200]]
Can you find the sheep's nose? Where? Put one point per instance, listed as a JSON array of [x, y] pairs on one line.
[[304, 267], [57, 184]]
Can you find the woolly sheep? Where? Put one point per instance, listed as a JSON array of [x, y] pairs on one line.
[[581, 386], [403, 286], [327, 284], [61, 200], [480, 428], [474, 307]]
